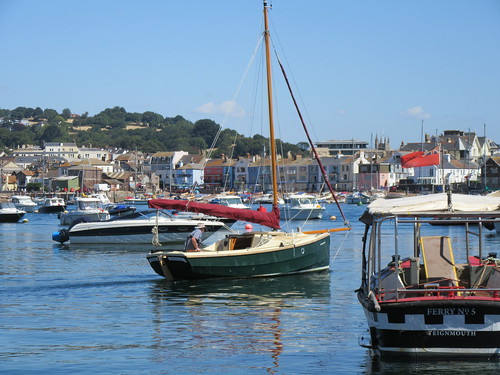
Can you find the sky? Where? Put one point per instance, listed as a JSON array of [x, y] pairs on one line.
[[360, 69]]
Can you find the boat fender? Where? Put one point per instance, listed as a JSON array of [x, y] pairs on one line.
[[62, 236], [374, 300]]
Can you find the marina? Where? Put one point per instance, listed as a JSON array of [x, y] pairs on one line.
[[66, 309]]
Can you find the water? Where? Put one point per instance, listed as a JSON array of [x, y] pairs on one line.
[[102, 310]]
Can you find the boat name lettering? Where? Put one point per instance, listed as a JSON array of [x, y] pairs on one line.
[[452, 311], [451, 333]]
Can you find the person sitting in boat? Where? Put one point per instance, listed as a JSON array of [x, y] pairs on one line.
[[193, 242]]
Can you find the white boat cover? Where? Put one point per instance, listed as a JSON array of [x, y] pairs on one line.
[[434, 203]]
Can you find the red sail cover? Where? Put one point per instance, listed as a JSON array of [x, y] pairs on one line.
[[269, 219], [419, 159]]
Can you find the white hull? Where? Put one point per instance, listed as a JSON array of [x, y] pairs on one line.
[[135, 231], [294, 213]]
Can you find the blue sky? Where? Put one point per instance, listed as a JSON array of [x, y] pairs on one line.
[[360, 68]]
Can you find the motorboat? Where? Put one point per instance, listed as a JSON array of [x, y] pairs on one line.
[[139, 227], [431, 291], [90, 209], [266, 199], [302, 207], [9, 213], [24, 203], [200, 216], [233, 201], [357, 198], [118, 209], [52, 205]]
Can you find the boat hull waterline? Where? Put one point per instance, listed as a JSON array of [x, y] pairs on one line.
[[434, 329]]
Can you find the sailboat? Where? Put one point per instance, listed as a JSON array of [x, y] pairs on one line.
[[249, 254]]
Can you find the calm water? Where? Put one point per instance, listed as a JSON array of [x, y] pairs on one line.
[[101, 309]]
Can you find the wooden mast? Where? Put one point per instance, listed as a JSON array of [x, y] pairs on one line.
[[270, 108]]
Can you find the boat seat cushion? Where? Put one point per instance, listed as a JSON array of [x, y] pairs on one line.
[[439, 262]]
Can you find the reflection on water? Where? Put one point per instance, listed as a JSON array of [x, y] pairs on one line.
[[78, 308], [240, 315]]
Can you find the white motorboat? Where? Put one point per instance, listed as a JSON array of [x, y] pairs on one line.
[[24, 203], [136, 228], [357, 198], [233, 201], [9, 213], [266, 199], [301, 207], [52, 205], [88, 209]]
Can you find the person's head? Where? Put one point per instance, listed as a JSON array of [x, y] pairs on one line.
[[200, 226]]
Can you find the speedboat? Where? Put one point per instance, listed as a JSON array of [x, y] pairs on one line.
[[139, 227], [91, 209], [9, 213], [267, 199], [302, 207], [52, 205], [437, 293], [233, 201], [357, 198], [24, 203]]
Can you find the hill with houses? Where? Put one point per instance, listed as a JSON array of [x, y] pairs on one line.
[[43, 150], [467, 162]]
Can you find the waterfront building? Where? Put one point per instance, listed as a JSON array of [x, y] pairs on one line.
[[343, 147]]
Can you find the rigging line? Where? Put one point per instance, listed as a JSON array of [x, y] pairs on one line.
[[340, 246], [323, 172], [288, 65], [236, 94]]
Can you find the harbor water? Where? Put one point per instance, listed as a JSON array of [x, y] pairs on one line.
[[100, 309]]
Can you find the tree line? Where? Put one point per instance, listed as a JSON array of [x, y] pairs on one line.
[[108, 129]]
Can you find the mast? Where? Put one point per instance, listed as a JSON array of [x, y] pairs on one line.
[[270, 107]]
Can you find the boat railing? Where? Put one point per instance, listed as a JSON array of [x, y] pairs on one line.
[[436, 291], [394, 286]]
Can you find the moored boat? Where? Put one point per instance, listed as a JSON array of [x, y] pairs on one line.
[[9, 213], [357, 198], [302, 207], [438, 296], [52, 205], [24, 203], [141, 229], [90, 209], [233, 201]]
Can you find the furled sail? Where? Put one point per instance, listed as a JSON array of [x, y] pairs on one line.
[[269, 219]]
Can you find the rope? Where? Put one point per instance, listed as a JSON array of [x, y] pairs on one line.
[[156, 238], [340, 246]]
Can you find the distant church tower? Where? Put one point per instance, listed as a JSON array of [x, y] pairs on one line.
[[383, 144]]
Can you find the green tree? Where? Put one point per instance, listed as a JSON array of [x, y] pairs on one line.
[[206, 129], [49, 114], [54, 133], [66, 113]]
